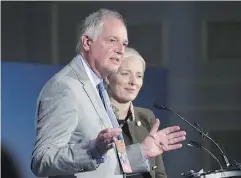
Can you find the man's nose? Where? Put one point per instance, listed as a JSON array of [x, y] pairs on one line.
[[120, 49]]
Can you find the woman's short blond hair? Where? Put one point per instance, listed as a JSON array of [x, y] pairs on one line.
[[131, 52]]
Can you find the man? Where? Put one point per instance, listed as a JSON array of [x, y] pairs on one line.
[[75, 134]]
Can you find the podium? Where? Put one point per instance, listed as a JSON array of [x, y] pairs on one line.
[[222, 174], [214, 174]]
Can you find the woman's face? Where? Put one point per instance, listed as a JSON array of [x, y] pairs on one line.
[[125, 84]]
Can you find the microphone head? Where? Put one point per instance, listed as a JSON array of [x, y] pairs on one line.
[[194, 144], [159, 106]]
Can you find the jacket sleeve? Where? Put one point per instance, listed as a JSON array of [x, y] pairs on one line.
[[137, 160], [160, 170], [56, 119]]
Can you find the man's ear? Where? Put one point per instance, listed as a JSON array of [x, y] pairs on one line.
[[85, 42]]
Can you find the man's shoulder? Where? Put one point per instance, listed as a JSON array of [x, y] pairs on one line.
[[65, 80], [62, 77], [73, 71]]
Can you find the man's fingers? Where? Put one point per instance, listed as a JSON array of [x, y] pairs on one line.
[[173, 147], [155, 127], [106, 138], [176, 140], [114, 139], [109, 133], [110, 146], [170, 129], [109, 140], [110, 130], [176, 134]]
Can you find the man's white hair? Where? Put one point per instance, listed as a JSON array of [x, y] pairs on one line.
[[92, 25], [131, 52]]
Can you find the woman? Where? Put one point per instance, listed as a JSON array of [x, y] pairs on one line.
[[123, 87]]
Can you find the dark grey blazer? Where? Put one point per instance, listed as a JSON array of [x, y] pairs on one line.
[[139, 132]]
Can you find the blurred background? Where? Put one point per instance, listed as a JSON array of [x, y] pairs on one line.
[[193, 55]]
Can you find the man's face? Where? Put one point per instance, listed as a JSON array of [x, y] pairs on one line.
[[105, 53]]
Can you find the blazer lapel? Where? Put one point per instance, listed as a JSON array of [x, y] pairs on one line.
[[78, 67]]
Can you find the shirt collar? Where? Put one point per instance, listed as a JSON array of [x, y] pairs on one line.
[[95, 78], [131, 109]]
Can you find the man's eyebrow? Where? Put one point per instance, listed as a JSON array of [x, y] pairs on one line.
[[125, 41]]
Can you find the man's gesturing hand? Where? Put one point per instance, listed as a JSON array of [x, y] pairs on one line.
[[105, 139], [164, 140]]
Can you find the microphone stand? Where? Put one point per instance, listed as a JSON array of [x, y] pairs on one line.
[[159, 106], [199, 146]]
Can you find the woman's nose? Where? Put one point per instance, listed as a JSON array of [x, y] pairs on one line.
[[132, 81]]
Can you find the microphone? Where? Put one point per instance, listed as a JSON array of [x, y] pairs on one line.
[[200, 146], [160, 107]]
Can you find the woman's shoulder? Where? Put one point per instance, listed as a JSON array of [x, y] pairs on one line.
[[143, 111], [145, 115]]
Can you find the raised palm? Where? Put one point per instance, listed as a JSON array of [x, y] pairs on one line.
[[163, 140]]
